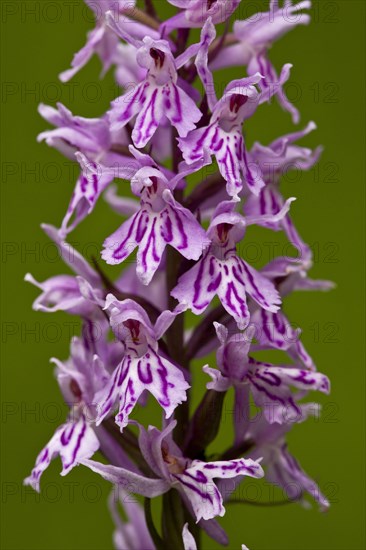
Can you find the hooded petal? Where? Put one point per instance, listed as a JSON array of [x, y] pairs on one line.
[[152, 443], [219, 382]]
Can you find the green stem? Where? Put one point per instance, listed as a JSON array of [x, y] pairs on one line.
[[175, 343], [175, 334], [121, 150], [193, 527], [204, 332], [205, 424], [150, 9], [150, 525], [217, 44], [173, 520], [141, 17], [204, 190]]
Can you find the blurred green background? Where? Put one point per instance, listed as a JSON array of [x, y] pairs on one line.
[[38, 41]]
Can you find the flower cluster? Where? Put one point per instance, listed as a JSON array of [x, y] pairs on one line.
[[135, 338]]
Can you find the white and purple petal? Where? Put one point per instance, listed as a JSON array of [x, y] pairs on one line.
[[152, 231], [197, 482], [271, 389], [150, 372], [73, 442]]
